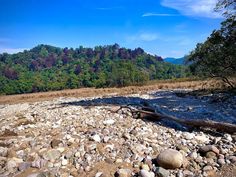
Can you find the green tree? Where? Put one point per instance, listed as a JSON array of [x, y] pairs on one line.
[[43, 52], [216, 57]]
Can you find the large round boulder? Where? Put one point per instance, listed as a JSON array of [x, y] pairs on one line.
[[170, 159]]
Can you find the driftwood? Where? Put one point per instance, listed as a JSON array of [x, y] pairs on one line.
[[147, 112]]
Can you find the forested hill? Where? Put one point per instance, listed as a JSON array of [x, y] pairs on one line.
[[45, 68]]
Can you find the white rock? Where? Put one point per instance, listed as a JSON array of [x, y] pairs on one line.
[[109, 122], [189, 136], [64, 162], [228, 137], [202, 138], [98, 174], [96, 138], [77, 154], [145, 173]]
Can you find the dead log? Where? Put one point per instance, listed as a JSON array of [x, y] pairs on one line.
[[220, 126], [225, 127]]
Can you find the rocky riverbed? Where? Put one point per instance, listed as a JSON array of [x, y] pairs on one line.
[[87, 137]]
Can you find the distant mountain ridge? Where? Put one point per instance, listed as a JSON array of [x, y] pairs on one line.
[[177, 61]]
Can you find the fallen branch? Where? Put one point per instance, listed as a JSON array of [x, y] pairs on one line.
[[220, 126]]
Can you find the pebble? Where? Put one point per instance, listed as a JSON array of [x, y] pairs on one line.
[[207, 168], [193, 155], [207, 148], [55, 143], [145, 173], [98, 174], [96, 138], [109, 122], [64, 162], [189, 136], [24, 165], [221, 161], [161, 172], [52, 155], [145, 167], [3, 151], [123, 173]]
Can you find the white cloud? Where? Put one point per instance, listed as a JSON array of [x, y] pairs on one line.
[[197, 8], [158, 15], [146, 37], [12, 50]]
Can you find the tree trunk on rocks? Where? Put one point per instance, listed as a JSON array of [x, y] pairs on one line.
[[225, 127]]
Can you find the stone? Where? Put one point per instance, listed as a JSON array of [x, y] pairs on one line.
[[187, 173], [145, 173], [39, 163], [3, 151], [98, 174], [207, 168], [50, 165], [11, 165], [24, 165], [207, 148], [170, 159], [161, 172], [210, 154], [221, 161], [11, 153], [55, 143], [145, 167], [106, 139], [183, 148], [52, 155], [180, 174], [228, 137], [119, 160], [185, 162], [61, 149], [232, 159], [77, 154], [123, 172], [109, 122], [96, 138], [193, 155], [189, 136], [42, 174], [202, 138], [64, 162]]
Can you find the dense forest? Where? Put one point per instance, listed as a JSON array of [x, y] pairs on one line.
[[45, 68]]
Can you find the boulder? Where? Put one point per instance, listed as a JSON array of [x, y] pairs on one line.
[[170, 159]]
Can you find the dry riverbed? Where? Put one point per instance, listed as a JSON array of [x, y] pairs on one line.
[[86, 137]]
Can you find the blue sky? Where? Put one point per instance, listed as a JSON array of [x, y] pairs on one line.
[[164, 27]]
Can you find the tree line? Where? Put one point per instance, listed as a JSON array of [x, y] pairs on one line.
[[46, 68]]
